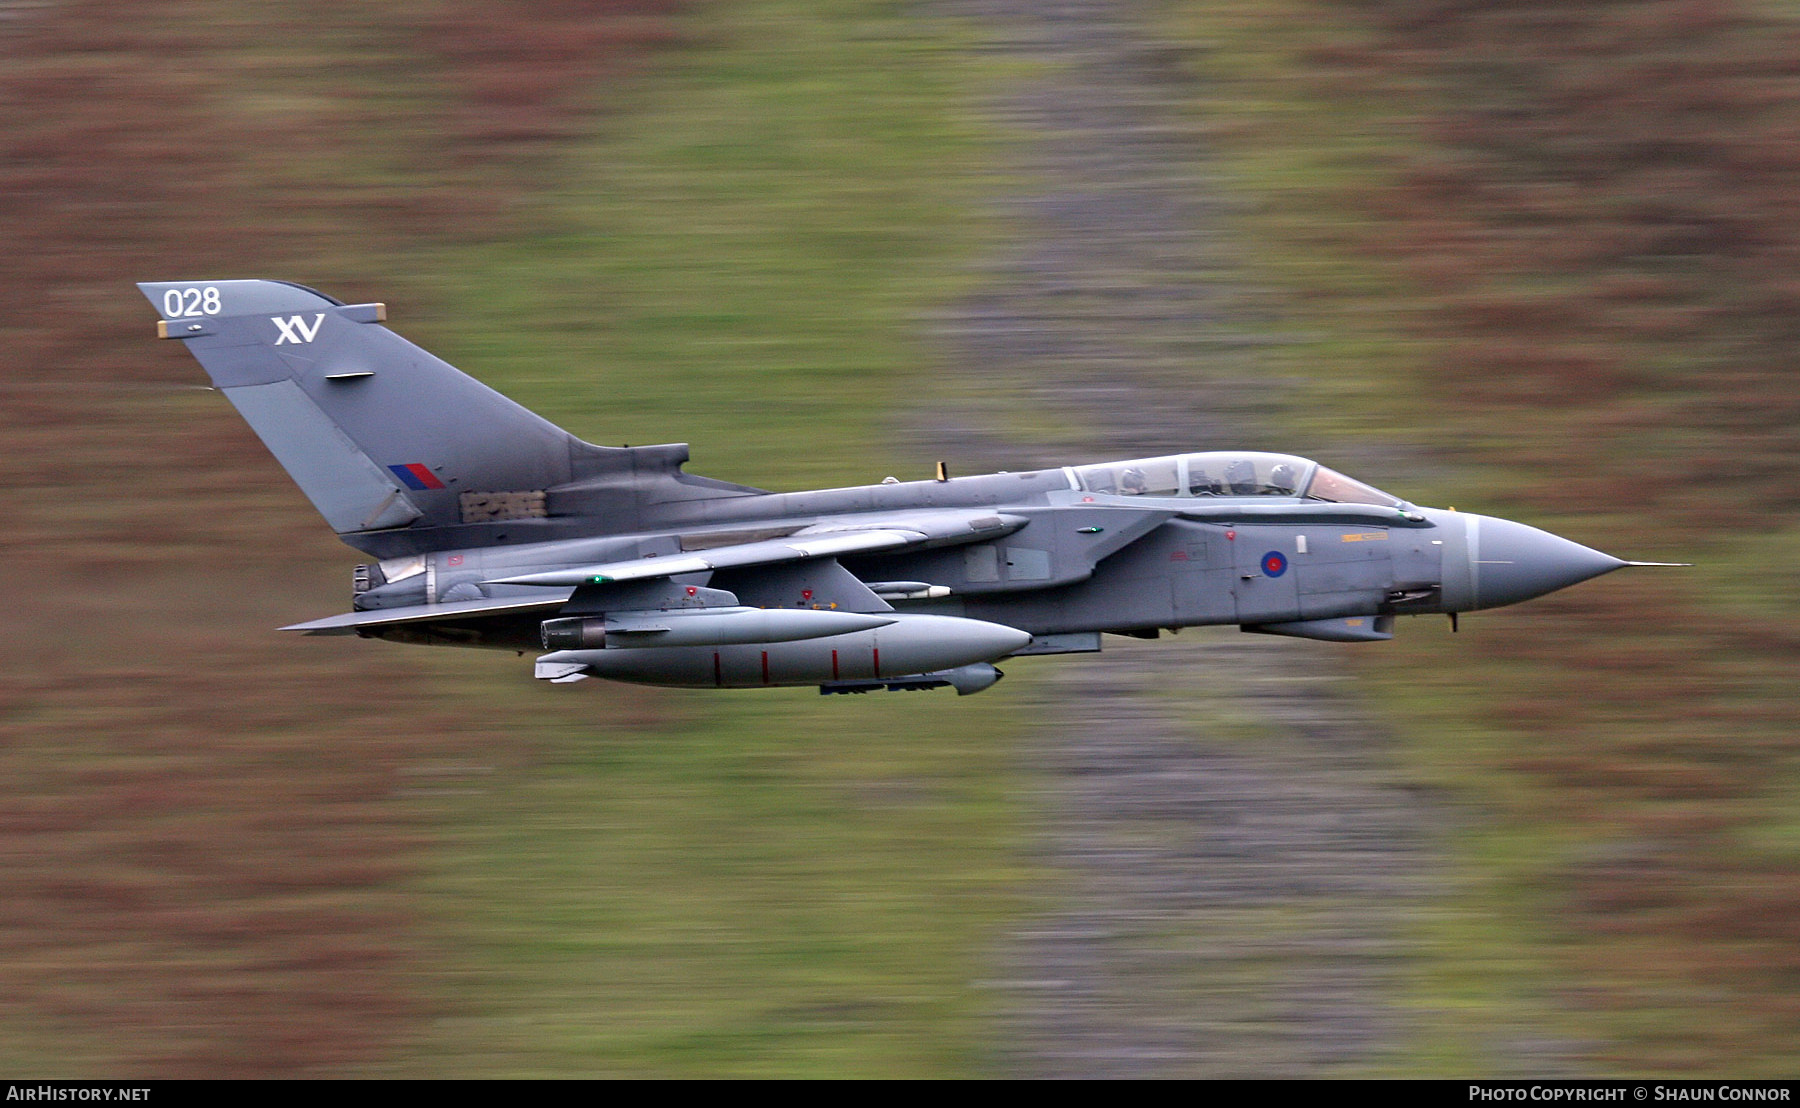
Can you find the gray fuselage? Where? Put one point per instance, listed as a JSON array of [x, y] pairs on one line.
[[1083, 561]]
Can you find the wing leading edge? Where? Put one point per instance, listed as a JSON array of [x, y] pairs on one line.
[[349, 622], [892, 533], [897, 532]]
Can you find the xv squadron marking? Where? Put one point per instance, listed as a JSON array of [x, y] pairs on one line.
[[295, 329]]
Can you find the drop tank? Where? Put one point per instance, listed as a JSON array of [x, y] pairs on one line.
[[911, 644]]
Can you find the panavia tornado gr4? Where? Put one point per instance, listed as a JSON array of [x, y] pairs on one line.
[[490, 527]]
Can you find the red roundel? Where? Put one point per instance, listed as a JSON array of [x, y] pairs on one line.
[[1273, 564]]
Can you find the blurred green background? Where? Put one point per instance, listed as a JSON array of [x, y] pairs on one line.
[[1539, 258]]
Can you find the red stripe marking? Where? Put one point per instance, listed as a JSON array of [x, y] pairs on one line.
[[765, 667], [417, 469], [834, 675], [875, 653], [718, 676]]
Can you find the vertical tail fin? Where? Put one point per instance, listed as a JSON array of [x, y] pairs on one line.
[[377, 432]]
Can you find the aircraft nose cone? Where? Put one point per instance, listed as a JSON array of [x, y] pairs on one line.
[[1510, 562]]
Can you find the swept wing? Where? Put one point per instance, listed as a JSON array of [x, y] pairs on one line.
[[869, 536], [348, 623]]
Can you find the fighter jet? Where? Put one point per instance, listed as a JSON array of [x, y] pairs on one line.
[[488, 526]]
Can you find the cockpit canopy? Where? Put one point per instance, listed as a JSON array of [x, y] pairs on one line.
[[1229, 473]]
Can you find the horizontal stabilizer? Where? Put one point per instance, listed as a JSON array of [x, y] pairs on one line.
[[349, 622]]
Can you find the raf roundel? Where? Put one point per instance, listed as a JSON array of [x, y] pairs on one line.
[[1273, 564]]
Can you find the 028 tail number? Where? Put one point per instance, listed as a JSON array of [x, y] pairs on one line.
[[179, 303]]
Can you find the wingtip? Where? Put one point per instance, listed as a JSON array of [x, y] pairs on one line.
[[309, 629]]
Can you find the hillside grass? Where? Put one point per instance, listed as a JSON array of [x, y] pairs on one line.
[[775, 884], [1546, 251], [742, 260], [242, 854], [247, 854]]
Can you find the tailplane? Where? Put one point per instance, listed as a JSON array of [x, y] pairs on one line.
[[383, 437]]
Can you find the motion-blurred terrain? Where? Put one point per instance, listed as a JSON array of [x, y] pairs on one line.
[[1532, 258], [203, 854], [1567, 235]]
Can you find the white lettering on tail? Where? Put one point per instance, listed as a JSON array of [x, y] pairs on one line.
[[294, 328]]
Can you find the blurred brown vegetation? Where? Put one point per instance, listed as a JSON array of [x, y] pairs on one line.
[[202, 860], [1597, 214], [202, 854]]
